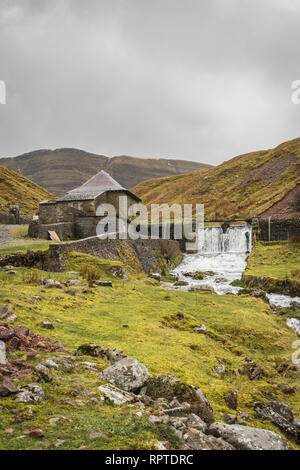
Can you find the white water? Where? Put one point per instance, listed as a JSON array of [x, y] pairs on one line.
[[223, 254], [279, 300]]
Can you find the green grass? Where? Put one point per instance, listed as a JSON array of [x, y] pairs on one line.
[[12, 246], [18, 240], [274, 260], [238, 327]]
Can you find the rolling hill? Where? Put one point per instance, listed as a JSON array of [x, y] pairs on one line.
[[258, 183], [16, 189], [61, 170]]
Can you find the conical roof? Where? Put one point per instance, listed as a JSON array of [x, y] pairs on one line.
[[98, 184]]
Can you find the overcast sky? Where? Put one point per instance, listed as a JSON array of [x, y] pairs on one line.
[[203, 80]]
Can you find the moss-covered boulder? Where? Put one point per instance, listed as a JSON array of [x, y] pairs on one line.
[[167, 386]]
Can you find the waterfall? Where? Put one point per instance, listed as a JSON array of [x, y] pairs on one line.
[[222, 255], [235, 239]]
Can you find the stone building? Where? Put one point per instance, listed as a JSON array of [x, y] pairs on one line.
[[74, 216]]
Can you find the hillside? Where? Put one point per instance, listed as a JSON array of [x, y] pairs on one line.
[[258, 183], [16, 189], [244, 334], [61, 170]]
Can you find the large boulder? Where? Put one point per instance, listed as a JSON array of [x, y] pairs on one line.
[[127, 374], [246, 438], [167, 386], [279, 414], [197, 440], [94, 350], [115, 395]]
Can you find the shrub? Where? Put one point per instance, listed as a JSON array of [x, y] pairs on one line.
[[90, 273]]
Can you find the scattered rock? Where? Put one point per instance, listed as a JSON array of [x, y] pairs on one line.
[[220, 369], [115, 395], [2, 352], [162, 419], [11, 318], [44, 373], [246, 438], [71, 291], [50, 284], [89, 365], [119, 271], [161, 445], [197, 440], [195, 422], [74, 282], [5, 311], [59, 443], [19, 338], [179, 410], [127, 374], [103, 283], [201, 330], [36, 433], [99, 434], [94, 401], [31, 393], [254, 371], [94, 350], [244, 416], [231, 400], [231, 419], [48, 325], [59, 419], [49, 364], [7, 388], [65, 361], [155, 276]]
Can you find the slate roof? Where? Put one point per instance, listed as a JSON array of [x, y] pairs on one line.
[[98, 184]]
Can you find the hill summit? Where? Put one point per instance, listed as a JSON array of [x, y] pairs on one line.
[[64, 169]]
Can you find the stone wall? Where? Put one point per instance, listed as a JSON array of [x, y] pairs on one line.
[[148, 253], [11, 219], [65, 230], [281, 229], [51, 260]]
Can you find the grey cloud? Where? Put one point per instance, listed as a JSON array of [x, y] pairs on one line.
[[196, 79]]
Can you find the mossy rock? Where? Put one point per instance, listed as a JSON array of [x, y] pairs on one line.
[[167, 386]]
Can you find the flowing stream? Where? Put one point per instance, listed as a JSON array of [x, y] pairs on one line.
[[222, 256]]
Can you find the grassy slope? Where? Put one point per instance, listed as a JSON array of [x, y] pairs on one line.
[[274, 260], [238, 327], [16, 189], [222, 188], [63, 169]]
